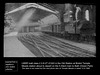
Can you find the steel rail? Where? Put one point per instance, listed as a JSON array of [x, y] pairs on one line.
[[61, 46], [49, 43], [84, 50], [49, 47], [30, 40], [57, 44], [70, 46], [50, 51], [29, 45]]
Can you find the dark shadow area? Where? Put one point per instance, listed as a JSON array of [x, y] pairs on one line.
[[74, 37]]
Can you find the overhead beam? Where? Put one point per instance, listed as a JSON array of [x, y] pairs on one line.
[[35, 5]]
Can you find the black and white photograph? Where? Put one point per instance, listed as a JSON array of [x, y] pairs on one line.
[[48, 36], [49, 30]]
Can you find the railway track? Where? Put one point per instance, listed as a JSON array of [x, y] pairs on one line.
[[68, 45], [67, 49], [30, 46], [48, 46], [37, 51], [58, 48]]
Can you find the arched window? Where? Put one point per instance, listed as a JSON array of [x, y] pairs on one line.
[[87, 15]]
